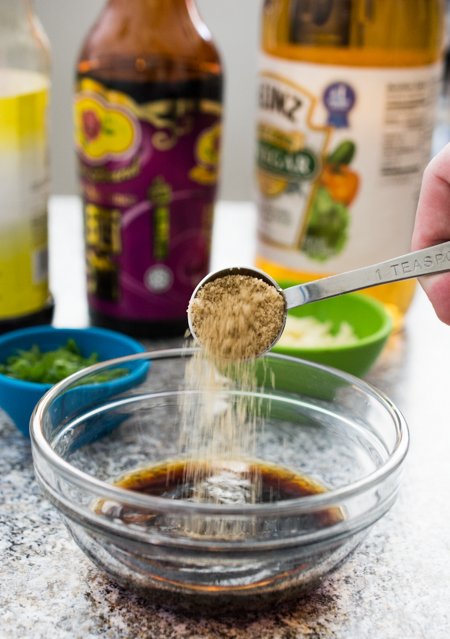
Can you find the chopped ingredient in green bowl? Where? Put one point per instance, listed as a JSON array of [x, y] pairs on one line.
[[309, 332], [51, 367]]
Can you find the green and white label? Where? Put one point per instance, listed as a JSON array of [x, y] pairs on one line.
[[340, 157]]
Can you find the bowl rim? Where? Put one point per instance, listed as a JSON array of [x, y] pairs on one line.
[[44, 329], [387, 325], [40, 446]]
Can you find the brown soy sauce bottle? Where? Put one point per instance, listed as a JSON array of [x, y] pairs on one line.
[[147, 131]]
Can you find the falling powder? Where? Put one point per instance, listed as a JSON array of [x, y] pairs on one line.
[[236, 318]]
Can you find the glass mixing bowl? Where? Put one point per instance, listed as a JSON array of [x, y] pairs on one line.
[[316, 422]]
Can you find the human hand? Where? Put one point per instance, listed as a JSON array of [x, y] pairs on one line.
[[432, 226]]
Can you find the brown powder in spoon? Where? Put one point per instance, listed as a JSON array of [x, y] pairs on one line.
[[237, 317]]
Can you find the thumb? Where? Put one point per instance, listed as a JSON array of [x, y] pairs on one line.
[[432, 226]]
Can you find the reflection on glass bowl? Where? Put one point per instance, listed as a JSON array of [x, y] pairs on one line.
[[344, 438]]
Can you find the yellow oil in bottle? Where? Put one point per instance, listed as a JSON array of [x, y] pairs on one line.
[[346, 112]]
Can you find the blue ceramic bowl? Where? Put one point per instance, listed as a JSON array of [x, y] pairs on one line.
[[18, 398]]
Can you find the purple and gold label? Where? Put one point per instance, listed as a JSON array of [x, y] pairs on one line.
[[148, 173]]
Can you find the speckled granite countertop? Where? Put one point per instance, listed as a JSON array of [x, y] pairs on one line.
[[396, 586]]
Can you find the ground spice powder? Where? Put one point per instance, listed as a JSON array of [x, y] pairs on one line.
[[237, 317]]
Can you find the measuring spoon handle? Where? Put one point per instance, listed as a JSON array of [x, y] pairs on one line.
[[435, 259]]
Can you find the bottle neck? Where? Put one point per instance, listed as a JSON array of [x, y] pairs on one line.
[[157, 11], [149, 6], [23, 43], [144, 38], [14, 13]]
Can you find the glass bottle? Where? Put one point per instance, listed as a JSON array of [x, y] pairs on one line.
[[24, 168], [346, 111], [147, 127]]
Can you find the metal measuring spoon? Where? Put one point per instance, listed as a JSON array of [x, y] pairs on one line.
[[435, 259]]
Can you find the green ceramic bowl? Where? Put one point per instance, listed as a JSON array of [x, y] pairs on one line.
[[369, 319]]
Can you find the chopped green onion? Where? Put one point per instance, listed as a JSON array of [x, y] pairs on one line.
[[51, 367]]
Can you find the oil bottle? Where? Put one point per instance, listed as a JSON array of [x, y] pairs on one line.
[[24, 168], [147, 131], [347, 94]]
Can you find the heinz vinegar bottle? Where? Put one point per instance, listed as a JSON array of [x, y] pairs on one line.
[[147, 128], [24, 168], [347, 94]]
